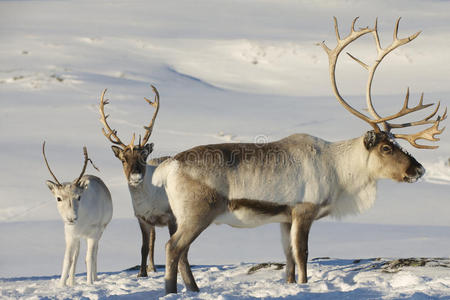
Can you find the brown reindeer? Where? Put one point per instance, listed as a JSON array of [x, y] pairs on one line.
[[150, 203]]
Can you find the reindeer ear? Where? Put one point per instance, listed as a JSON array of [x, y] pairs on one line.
[[370, 139], [51, 185], [83, 183], [149, 148], [117, 151]]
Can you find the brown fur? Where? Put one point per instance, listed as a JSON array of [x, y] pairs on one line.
[[261, 207]]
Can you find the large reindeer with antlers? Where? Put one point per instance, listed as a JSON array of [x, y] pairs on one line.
[[293, 181], [85, 206], [150, 203]]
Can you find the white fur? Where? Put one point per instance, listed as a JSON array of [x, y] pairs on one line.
[[85, 218], [159, 175], [149, 201], [246, 218]]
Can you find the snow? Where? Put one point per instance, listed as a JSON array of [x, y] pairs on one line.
[[227, 71], [329, 279]]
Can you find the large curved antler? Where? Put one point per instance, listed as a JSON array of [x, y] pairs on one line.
[[333, 55], [48, 167], [427, 134]]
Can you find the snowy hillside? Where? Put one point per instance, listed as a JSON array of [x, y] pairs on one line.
[[226, 71]]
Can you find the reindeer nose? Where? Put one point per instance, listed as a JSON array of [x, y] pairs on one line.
[[420, 171], [135, 178], [414, 172]]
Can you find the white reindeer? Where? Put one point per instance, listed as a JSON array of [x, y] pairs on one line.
[[86, 208], [293, 181], [150, 203]]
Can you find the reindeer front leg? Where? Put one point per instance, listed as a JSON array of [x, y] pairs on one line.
[[90, 259], [76, 251], [151, 254], [303, 215], [286, 241], [145, 231], [68, 263]]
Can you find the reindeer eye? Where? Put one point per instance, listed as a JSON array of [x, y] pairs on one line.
[[386, 149], [59, 199]]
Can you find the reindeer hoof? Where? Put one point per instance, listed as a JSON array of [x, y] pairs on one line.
[[151, 269], [303, 280]]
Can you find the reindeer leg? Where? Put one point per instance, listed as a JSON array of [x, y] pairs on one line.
[[175, 247], [303, 215], [194, 208], [94, 267], [68, 265], [183, 266], [286, 241], [145, 231], [76, 251], [90, 259], [186, 272], [151, 254]]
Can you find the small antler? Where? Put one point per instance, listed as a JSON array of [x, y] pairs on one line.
[[428, 133], [86, 160], [48, 167], [149, 128]]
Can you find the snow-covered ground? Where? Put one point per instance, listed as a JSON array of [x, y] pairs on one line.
[[329, 279], [226, 71]]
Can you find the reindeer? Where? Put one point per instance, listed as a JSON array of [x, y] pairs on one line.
[[150, 203], [293, 181], [85, 206]]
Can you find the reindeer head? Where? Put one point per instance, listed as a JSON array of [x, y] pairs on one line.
[[133, 157], [386, 159], [68, 194]]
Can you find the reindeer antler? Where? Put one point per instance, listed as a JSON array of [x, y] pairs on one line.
[[48, 167], [86, 160], [111, 134], [149, 128], [427, 134], [333, 55]]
